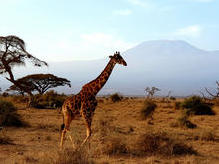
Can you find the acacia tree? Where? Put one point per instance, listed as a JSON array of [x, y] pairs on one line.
[[14, 88], [216, 94], [40, 83], [13, 53], [151, 91]]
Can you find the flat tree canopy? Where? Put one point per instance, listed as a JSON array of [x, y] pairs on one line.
[[13, 53], [15, 89], [40, 82]]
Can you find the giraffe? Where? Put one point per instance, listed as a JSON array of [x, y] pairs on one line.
[[84, 103]]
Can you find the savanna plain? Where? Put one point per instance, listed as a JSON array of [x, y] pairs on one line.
[[121, 133]]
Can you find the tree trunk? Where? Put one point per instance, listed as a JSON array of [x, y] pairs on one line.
[[30, 100]]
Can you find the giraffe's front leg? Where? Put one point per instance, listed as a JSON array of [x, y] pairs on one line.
[[87, 114], [88, 125], [87, 109]]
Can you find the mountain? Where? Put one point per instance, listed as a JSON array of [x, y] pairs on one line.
[[173, 65], [164, 47], [167, 64]]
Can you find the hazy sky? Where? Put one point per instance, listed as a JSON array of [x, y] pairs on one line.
[[62, 30]]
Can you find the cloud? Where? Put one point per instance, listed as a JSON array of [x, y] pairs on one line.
[[151, 6], [205, 1], [10, 2], [190, 31], [103, 43], [123, 12], [137, 2], [140, 3], [69, 47]]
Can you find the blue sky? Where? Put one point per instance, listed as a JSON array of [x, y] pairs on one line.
[[56, 30]]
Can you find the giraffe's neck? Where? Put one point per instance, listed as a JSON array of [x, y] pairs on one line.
[[100, 81]]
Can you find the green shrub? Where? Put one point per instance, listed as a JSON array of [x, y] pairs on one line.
[[30, 159], [20, 99], [159, 143], [216, 101], [5, 94], [195, 105], [147, 109], [100, 101], [114, 146], [50, 100], [8, 115], [183, 121], [177, 105], [6, 106], [116, 97], [4, 140], [172, 98], [69, 156], [208, 135]]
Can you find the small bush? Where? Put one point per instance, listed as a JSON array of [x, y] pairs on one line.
[[172, 98], [159, 143], [50, 100], [8, 115], [216, 101], [116, 97], [147, 109], [4, 140], [30, 159], [115, 146], [195, 105], [20, 99], [207, 135], [177, 105], [69, 156], [100, 101], [6, 107], [183, 121], [5, 94]]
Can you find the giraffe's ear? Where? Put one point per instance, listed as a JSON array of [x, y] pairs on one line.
[[110, 57]]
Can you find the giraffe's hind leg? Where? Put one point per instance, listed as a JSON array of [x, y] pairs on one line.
[[65, 127]]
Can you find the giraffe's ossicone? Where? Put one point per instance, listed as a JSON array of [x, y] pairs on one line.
[[84, 103]]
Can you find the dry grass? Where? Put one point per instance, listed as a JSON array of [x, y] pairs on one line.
[[119, 136]]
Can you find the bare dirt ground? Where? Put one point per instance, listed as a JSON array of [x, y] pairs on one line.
[[120, 122]]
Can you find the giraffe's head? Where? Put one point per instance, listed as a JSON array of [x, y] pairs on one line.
[[117, 58]]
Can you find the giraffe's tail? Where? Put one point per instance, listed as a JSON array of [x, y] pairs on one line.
[[62, 125]]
